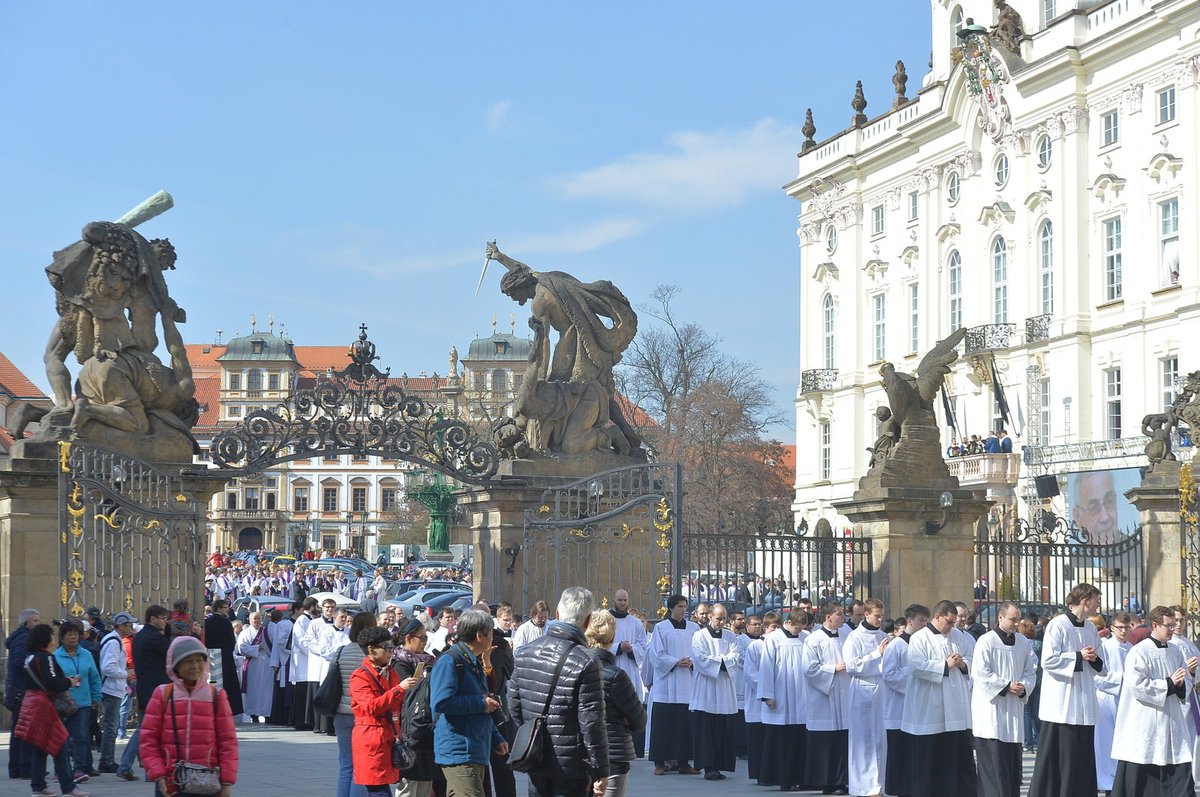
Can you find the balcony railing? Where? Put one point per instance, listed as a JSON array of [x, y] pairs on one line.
[[979, 469], [989, 337], [818, 379], [1037, 328], [248, 514]]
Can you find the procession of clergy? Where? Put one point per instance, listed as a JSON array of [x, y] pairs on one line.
[[929, 711]]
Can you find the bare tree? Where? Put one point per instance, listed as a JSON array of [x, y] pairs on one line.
[[706, 409]]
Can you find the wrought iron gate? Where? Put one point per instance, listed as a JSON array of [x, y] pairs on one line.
[[609, 531], [775, 567], [1189, 519], [1037, 564], [131, 534]]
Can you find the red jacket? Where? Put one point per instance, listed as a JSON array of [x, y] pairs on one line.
[[374, 731], [207, 736], [39, 724]]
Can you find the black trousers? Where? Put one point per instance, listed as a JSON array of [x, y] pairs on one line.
[[549, 787]]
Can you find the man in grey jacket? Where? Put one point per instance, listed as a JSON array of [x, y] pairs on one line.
[[576, 761]]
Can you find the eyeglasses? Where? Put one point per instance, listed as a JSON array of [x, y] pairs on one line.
[[1120, 628], [385, 646], [1108, 503]]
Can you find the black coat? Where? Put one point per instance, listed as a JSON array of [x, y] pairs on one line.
[[218, 635], [575, 721], [623, 710], [149, 662]]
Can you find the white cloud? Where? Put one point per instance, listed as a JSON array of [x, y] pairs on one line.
[[497, 115], [584, 238], [698, 171], [373, 252]]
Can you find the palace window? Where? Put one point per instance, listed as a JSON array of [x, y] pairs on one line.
[[1110, 127], [1166, 105], [1112, 403], [235, 381], [877, 220], [953, 188], [999, 281], [254, 383], [828, 319], [1047, 12], [358, 499], [329, 499], [1046, 262], [1045, 152], [914, 205], [300, 499], [826, 447], [1112, 259], [880, 326], [387, 500], [1168, 241], [1001, 170], [956, 298], [914, 317], [1169, 379], [252, 498]]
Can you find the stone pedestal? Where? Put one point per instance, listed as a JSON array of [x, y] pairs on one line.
[[1157, 500], [496, 517], [911, 565]]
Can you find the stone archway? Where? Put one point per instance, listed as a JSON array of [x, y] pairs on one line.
[[250, 539]]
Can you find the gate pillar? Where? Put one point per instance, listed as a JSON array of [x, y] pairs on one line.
[[1163, 543], [911, 565], [29, 542], [496, 515]]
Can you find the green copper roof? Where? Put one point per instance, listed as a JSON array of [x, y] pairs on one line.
[[500, 347], [259, 347]]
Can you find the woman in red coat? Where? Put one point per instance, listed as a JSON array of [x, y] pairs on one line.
[[376, 694], [196, 714]]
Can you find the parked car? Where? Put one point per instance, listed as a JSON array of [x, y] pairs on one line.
[[396, 589], [349, 569], [341, 600], [450, 600], [243, 607], [424, 596]]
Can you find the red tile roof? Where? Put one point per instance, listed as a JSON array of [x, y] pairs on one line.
[[15, 383], [208, 395]]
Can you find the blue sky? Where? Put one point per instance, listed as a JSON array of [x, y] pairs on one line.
[[332, 166]]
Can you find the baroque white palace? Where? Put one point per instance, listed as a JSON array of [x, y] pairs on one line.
[[1039, 189]]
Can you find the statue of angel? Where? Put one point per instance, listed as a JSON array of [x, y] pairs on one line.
[[911, 397]]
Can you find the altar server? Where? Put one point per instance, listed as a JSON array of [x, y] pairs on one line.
[[754, 644], [1004, 671], [863, 653], [671, 660], [827, 683], [896, 675], [1152, 742], [1071, 660], [716, 656], [1113, 650], [630, 646], [782, 691], [1192, 657]]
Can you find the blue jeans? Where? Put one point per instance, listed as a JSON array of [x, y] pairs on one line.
[[126, 707], [131, 751], [108, 729], [62, 768], [79, 730], [343, 728]]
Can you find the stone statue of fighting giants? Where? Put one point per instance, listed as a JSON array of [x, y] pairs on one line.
[[567, 402], [110, 296]]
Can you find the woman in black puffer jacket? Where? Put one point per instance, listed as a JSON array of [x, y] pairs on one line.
[[623, 710]]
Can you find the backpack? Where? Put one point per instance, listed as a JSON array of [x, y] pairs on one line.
[[416, 715]]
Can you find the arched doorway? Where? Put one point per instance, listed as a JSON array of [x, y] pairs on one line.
[[250, 539]]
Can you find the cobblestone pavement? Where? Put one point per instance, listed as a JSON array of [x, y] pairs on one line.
[[285, 763]]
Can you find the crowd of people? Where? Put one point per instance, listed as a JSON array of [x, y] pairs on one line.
[[996, 442], [829, 697]]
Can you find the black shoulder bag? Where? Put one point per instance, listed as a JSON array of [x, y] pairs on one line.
[[527, 751]]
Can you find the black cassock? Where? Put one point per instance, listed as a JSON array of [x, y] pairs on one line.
[[218, 635]]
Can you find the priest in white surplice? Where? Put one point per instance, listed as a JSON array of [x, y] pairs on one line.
[[863, 653], [1071, 660], [671, 660], [716, 656], [1191, 657], [782, 693], [754, 645], [896, 675], [254, 646], [937, 709], [1152, 743], [827, 683], [1113, 650], [280, 630], [1004, 672], [630, 646], [532, 629]]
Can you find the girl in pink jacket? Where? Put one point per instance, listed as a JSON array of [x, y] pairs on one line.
[[188, 720]]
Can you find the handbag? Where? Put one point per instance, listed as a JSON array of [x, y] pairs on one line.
[[527, 751], [193, 778], [64, 704], [329, 693], [403, 756]]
